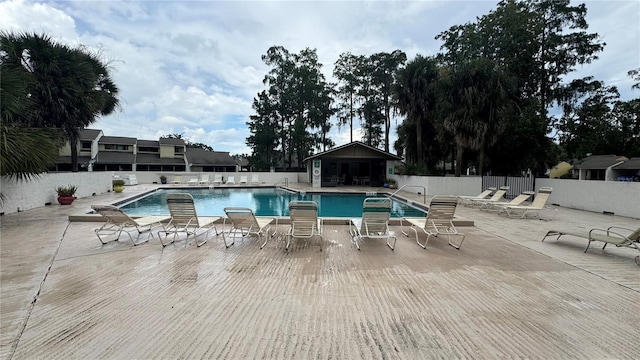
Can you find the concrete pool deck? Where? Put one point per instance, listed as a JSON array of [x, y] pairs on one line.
[[505, 294]]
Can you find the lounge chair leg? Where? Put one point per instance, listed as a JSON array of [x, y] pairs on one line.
[[459, 245], [589, 243], [389, 245], [418, 239], [266, 238], [224, 238]]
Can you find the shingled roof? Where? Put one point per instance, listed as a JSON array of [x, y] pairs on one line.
[[374, 152], [171, 141], [599, 162], [109, 157], [197, 156], [153, 159], [89, 134], [631, 164], [118, 140]]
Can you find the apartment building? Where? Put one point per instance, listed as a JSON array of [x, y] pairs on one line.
[[97, 152]]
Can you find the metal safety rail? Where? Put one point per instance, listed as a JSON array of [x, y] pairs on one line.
[[424, 191], [285, 181]]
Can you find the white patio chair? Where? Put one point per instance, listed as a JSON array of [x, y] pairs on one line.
[[118, 222], [185, 219], [255, 179], [374, 223], [244, 221], [305, 222], [204, 179], [217, 179], [439, 221]]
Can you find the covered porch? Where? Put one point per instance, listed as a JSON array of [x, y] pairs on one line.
[[352, 164]]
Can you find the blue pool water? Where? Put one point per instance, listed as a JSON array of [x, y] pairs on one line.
[[263, 202]]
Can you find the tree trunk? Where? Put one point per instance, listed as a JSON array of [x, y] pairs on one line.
[[387, 122], [459, 152], [419, 141], [480, 161], [351, 116], [73, 142]]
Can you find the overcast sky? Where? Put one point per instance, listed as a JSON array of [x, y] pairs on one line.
[[194, 67]]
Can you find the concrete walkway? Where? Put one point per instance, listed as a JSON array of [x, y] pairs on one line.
[[505, 294]]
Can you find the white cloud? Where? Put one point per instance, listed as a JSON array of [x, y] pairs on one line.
[[194, 67]]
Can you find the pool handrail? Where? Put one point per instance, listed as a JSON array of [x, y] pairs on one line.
[[424, 191]]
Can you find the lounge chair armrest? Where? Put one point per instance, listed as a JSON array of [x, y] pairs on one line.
[[620, 228], [606, 232]]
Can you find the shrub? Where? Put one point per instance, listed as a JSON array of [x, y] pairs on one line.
[[66, 190]]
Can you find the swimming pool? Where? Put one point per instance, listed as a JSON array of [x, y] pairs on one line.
[[263, 202]]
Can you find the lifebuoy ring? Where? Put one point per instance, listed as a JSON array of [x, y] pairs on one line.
[[316, 171]]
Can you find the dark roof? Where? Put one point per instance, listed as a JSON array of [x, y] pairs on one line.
[[379, 154], [67, 159], [631, 164], [89, 134], [113, 157], [197, 156], [243, 162], [150, 143], [599, 161], [118, 140], [151, 159], [171, 141]]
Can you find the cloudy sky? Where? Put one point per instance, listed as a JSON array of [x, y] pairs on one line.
[[194, 67]]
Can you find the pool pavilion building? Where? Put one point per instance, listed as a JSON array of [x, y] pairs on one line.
[[354, 163]]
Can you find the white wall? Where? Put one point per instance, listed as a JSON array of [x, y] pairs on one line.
[[148, 177], [440, 185], [25, 195], [618, 197]]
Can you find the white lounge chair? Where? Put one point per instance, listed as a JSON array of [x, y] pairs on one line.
[[439, 221], [192, 182], [463, 199], [496, 197], [243, 180], [231, 180], [518, 200], [130, 179], [184, 219], [255, 179], [618, 236], [537, 206], [374, 223], [204, 179], [244, 221], [217, 179], [118, 222], [305, 222], [177, 180]]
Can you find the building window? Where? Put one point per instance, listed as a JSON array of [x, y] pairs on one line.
[[85, 145], [116, 147], [148, 149], [178, 149]]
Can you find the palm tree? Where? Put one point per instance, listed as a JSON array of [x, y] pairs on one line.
[[414, 92], [476, 106], [71, 86], [25, 152]]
